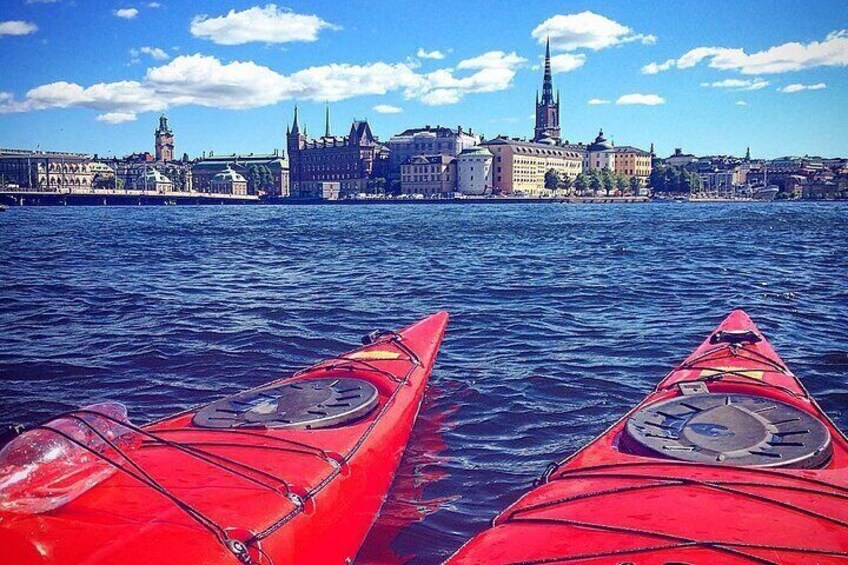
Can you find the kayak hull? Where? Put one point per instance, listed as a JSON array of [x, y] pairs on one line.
[[275, 495], [612, 502]]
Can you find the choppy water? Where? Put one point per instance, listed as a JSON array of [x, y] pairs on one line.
[[564, 316]]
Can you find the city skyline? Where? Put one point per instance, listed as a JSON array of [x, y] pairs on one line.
[[767, 75]]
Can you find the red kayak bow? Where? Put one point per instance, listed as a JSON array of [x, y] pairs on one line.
[[294, 471], [728, 461]]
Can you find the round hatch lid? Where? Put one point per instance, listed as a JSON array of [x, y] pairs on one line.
[[730, 429], [303, 404]]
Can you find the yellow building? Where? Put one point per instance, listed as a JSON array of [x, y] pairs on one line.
[[519, 166], [633, 162]]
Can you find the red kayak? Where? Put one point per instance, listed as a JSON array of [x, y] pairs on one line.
[[728, 461], [294, 471]]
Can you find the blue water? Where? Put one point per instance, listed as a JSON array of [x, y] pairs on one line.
[[563, 317]]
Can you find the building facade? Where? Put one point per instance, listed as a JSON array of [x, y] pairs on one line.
[[164, 144], [633, 162], [349, 161], [474, 171], [427, 141], [600, 154], [519, 166], [45, 171], [428, 175], [151, 180], [228, 181], [265, 173], [547, 109]]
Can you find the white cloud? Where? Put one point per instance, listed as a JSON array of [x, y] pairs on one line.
[[387, 109], [797, 87], [116, 117], [17, 27], [567, 62], [434, 54], [206, 81], [588, 30], [741, 103], [787, 57], [640, 99], [597, 101], [267, 25], [738, 84], [154, 5], [154, 52], [126, 13]]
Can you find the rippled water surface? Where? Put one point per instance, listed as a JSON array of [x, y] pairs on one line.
[[563, 317]]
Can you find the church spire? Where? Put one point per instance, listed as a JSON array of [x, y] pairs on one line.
[[327, 121], [295, 127], [547, 83], [748, 154]]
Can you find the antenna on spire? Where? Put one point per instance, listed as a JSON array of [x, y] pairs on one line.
[[327, 120]]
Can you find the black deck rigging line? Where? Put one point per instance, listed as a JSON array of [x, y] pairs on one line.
[[190, 448], [316, 451], [717, 545], [676, 481], [145, 479], [736, 373]]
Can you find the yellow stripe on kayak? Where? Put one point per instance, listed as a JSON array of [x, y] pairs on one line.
[[374, 354], [740, 371]]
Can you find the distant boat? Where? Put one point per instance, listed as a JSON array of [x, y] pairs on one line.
[[2, 207], [765, 193]]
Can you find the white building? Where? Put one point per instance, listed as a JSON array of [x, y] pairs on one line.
[[153, 181], [428, 140], [228, 181], [474, 171], [600, 154]]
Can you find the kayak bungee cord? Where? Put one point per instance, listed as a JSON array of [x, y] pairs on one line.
[[395, 339], [239, 469]]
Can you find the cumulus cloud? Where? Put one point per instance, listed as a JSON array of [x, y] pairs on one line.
[[797, 87], [597, 101], [17, 27], [116, 117], [738, 84], [266, 25], [387, 109], [787, 57], [206, 81], [434, 54], [640, 99], [741, 103], [569, 32], [154, 52], [154, 5], [567, 62], [126, 13]]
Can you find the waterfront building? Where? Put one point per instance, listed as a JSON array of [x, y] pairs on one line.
[[519, 166], [151, 180], [633, 162], [427, 141], [600, 154], [265, 173], [47, 171], [228, 181], [349, 161], [474, 171], [428, 175], [164, 145], [547, 109], [680, 159]]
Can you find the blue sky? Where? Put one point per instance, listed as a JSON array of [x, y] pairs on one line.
[[711, 77]]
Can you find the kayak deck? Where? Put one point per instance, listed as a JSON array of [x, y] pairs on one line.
[[206, 493], [618, 501]]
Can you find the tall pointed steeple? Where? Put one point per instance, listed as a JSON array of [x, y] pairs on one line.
[[547, 81], [327, 121], [748, 154], [295, 127], [547, 109]]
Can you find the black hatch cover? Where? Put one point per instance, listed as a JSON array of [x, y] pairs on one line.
[[303, 404], [731, 429]]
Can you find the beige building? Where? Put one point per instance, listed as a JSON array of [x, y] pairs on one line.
[[474, 171], [153, 181], [519, 166], [50, 171], [633, 162], [600, 154], [428, 175]]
